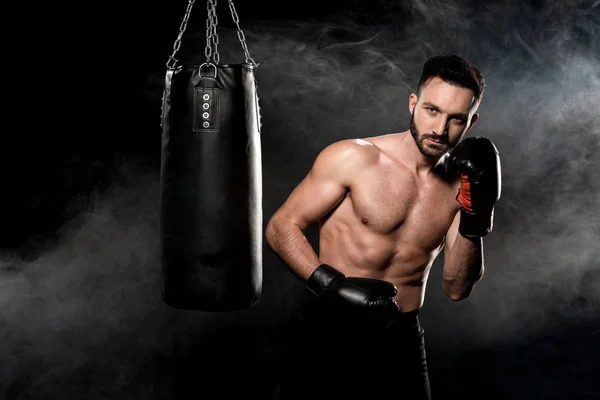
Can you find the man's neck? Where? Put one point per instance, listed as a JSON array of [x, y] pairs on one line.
[[412, 156]]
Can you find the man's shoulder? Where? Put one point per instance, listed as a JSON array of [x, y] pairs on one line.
[[352, 150], [346, 158]]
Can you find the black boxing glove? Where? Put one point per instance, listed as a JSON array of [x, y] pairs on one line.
[[364, 293], [477, 161]]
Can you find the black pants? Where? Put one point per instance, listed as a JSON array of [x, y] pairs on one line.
[[336, 353]]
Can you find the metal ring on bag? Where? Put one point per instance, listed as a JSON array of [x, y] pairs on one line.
[[208, 64]]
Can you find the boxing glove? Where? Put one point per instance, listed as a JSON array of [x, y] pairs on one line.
[[477, 162], [363, 293]]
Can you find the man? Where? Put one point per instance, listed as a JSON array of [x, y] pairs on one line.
[[386, 207]]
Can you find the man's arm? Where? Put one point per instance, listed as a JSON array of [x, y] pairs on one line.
[[319, 192], [477, 162], [463, 262]]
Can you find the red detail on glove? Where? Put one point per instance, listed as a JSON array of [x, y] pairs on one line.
[[464, 193]]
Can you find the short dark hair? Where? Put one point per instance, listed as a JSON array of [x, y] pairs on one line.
[[455, 70]]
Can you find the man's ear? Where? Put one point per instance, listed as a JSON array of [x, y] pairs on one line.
[[412, 102], [474, 119]]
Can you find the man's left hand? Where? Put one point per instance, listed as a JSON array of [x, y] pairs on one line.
[[477, 162]]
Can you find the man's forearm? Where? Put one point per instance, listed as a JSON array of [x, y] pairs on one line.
[[287, 240], [463, 267]]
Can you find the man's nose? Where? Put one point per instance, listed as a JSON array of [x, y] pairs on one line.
[[441, 128]]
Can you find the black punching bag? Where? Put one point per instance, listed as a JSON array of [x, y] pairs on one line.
[[211, 179], [211, 188]]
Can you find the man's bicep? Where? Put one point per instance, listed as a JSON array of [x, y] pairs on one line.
[[327, 183], [312, 199]]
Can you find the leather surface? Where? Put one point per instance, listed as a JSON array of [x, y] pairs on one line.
[[211, 189]]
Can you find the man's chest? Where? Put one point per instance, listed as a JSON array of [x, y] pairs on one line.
[[394, 202]]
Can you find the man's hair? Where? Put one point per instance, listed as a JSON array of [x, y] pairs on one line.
[[454, 70]]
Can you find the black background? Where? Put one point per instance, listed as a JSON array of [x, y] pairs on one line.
[[80, 308]]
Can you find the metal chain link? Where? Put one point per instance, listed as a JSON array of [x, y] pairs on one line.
[[240, 34], [212, 38], [172, 60]]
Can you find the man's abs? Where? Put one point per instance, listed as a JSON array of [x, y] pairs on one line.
[[406, 268], [402, 256]]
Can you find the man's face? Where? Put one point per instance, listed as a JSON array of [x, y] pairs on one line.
[[441, 116]]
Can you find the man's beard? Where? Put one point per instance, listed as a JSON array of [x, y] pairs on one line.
[[431, 151]]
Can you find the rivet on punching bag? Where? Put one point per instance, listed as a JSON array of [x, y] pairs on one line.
[[211, 180]]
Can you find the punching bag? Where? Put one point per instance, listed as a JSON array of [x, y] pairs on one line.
[[211, 182]]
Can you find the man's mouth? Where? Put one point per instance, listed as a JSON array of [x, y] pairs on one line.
[[436, 141]]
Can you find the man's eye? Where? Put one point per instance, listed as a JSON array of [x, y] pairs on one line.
[[429, 109]]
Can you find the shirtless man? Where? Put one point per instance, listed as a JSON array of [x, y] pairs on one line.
[[386, 207]]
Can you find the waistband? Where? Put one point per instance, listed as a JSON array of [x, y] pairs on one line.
[[320, 308], [408, 314], [404, 320]]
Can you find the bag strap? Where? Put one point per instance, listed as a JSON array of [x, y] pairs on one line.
[[212, 38]]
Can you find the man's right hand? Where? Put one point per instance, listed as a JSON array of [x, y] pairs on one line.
[[363, 293]]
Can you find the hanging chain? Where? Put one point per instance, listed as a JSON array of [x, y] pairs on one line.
[[212, 38], [172, 60], [240, 34]]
